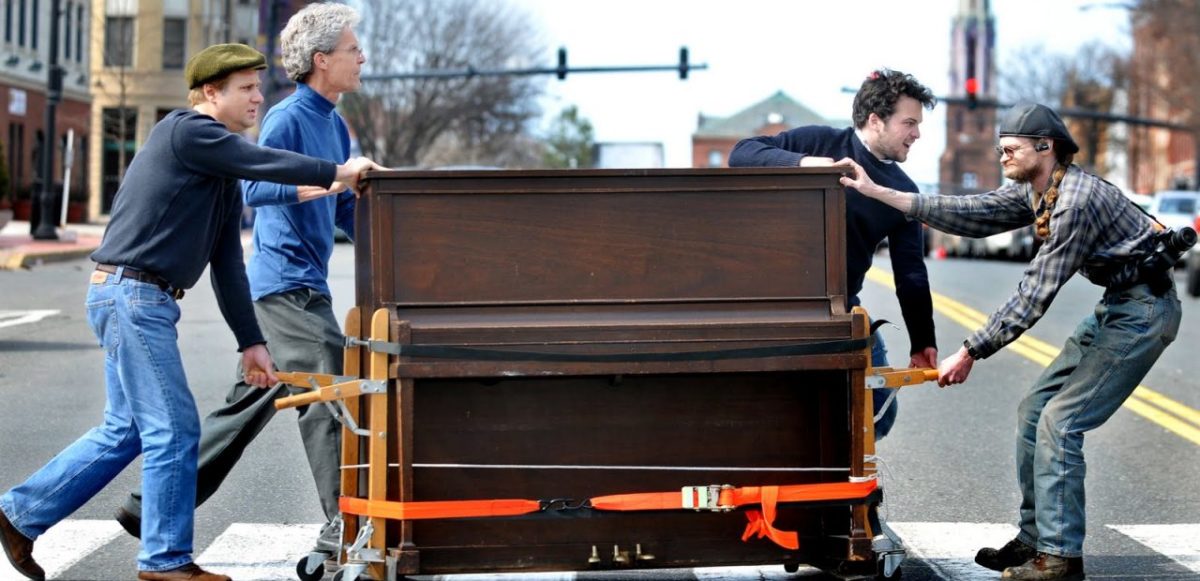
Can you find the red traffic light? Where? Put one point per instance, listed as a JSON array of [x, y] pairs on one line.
[[972, 86]]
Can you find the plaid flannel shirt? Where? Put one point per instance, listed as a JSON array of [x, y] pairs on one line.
[[1093, 230]]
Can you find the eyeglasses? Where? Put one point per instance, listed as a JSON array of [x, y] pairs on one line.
[[1009, 150], [352, 49]]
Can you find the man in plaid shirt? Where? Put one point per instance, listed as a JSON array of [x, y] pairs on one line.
[[1088, 227]]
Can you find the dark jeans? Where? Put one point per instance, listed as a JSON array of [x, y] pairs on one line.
[[303, 335], [1096, 371], [884, 424]]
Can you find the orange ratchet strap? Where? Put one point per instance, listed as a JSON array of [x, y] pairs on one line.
[[708, 498]]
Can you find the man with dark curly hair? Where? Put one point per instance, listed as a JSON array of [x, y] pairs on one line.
[[887, 116]]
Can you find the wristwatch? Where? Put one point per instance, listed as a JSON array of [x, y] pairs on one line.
[[971, 350]]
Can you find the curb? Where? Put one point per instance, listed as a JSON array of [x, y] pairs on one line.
[[19, 260]]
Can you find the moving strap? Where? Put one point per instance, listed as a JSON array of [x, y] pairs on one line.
[[715, 498]]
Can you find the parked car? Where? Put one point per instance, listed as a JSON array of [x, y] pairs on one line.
[[1019, 244], [1175, 208], [1141, 200]]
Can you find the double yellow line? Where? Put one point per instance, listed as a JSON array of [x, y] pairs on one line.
[[1156, 407]]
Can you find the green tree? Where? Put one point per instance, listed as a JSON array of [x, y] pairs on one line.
[[569, 141]]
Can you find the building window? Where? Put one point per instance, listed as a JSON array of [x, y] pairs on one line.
[[16, 165], [715, 158], [970, 181], [8, 20], [118, 41], [174, 33], [33, 31], [80, 24], [66, 32], [119, 147], [21, 25]]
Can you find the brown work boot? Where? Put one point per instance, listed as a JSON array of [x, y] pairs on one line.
[[1010, 555], [1047, 567], [19, 550], [189, 572]]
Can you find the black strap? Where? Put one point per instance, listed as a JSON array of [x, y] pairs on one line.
[[474, 353]]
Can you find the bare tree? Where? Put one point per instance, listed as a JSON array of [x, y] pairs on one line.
[[1090, 79], [468, 120], [1031, 73]]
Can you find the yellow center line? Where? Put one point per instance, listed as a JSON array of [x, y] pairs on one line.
[[1152, 405]]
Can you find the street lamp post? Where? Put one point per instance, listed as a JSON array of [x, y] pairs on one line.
[[45, 228]]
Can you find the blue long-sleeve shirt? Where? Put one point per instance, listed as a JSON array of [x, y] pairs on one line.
[[292, 240], [868, 221], [179, 207]]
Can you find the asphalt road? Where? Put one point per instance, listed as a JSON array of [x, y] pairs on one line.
[[948, 461]]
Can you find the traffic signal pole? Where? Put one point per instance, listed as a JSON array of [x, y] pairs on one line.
[[560, 71]]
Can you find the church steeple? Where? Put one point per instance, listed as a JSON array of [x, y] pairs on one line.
[[969, 164]]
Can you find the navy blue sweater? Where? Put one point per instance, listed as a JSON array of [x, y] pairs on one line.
[[868, 221], [179, 208]]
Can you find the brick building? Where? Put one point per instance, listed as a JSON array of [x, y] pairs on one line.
[[715, 137], [24, 67]]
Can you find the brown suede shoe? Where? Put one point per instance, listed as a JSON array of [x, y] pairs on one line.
[[189, 572], [1011, 554], [1047, 567], [19, 550]]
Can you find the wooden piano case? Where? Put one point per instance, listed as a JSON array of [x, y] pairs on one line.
[[612, 274]]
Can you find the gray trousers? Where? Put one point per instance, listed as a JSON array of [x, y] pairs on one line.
[[302, 335]]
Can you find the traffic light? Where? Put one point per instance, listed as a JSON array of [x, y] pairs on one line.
[[972, 87], [561, 70], [683, 63]]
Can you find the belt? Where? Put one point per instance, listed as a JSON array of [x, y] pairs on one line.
[[143, 276]]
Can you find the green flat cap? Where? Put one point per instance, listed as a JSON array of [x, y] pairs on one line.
[[219, 60]]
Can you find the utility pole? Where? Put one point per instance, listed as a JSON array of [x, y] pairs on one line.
[[45, 227]]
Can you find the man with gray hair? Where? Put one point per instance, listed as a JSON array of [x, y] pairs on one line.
[[293, 241]]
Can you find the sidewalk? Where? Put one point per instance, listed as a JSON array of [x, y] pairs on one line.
[[19, 250]]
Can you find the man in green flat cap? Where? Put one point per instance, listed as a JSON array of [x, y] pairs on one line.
[[177, 211]]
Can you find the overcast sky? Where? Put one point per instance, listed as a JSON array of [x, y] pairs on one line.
[[808, 49]]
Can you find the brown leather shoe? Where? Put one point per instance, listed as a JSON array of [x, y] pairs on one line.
[[19, 550], [189, 572], [1047, 567], [1013, 553]]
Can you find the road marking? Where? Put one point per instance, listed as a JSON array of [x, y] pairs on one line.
[[66, 544], [263, 552], [950, 547], [269, 552], [1179, 542], [757, 573], [14, 318], [1175, 416]]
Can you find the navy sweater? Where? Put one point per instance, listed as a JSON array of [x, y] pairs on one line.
[[868, 221], [179, 208]]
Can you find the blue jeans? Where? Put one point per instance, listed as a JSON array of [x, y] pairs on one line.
[[879, 396], [1099, 367], [149, 411]]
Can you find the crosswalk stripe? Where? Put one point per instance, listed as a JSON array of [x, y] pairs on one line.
[[263, 552], [269, 552], [761, 573], [14, 318], [949, 547], [1179, 542], [66, 544]]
